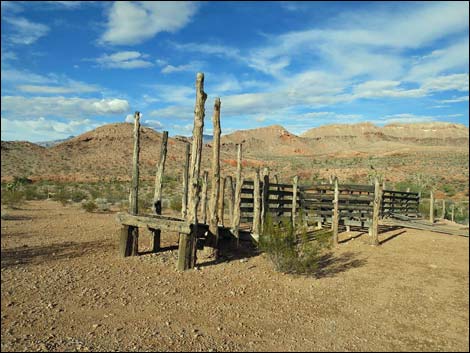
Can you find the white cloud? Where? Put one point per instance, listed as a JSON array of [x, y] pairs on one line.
[[372, 89], [455, 100], [43, 129], [134, 22], [70, 87], [124, 60], [457, 82], [72, 108], [154, 124], [23, 31], [193, 66], [453, 57]]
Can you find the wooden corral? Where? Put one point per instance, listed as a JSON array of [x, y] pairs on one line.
[[251, 201]]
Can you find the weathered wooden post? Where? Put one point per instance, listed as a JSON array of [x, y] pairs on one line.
[[230, 197], [214, 200], [157, 197], [294, 199], [443, 209], [256, 206], [452, 212], [408, 189], [204, 197], [129, 240], [431, 207], [184, 203], [376, 213], [220, 206], [383, 184], [238, 194], [187, 244], [277, 197], [335, 220], [265, 197]]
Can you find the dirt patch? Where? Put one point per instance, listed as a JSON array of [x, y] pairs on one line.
[[64, 288]]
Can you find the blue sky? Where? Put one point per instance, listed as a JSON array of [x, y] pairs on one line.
[[68, 67]]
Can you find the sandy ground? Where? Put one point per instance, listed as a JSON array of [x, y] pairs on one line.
[[63, 287]]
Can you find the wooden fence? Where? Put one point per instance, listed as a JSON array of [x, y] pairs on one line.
[[315, 202]]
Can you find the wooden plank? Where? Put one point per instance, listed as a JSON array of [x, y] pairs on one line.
[[150, 221], [280, 192]]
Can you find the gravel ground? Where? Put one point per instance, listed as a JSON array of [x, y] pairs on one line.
[[64, 288]]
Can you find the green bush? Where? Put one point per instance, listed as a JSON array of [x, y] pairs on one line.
[[62, 196], [89, 206], [12, 198], [291, 252], [176, 203]]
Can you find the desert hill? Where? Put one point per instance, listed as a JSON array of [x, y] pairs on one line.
[[106, 152]]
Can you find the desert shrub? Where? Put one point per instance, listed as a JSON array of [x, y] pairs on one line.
[[291, 253], [61, 195], [77, 195], [89, 206], [448, 189], [12, 198], [102, 204], [176, 203]]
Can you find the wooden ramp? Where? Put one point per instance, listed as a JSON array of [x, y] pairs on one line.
[[415, 223]]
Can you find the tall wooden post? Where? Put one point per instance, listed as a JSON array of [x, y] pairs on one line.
[[335, 219], [383, 184], [184, 203], [129, 239], [238, 193], [134, 204], [443, 209], [265, 197], [157, 197], [187, 252], [376, 213], [220, 207], [452, 212], [204, 197], [215, 195], [431, 207], [256, 206], [230, 197], [294, 200]]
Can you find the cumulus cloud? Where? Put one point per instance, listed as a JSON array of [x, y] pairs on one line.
[[134, 22]]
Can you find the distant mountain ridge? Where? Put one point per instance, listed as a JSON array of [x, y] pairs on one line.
[[106, 151], [53, 142]]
